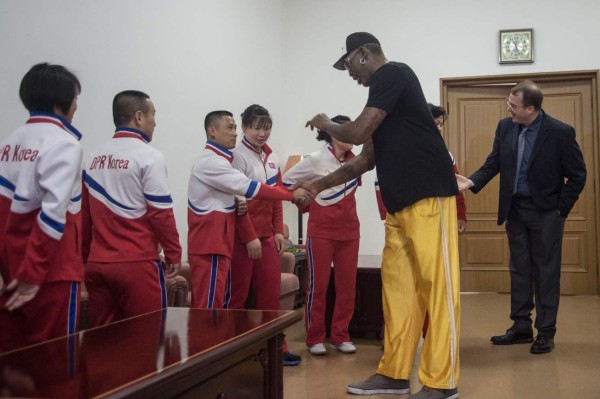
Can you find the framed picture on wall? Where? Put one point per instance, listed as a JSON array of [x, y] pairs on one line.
[[516, 46]]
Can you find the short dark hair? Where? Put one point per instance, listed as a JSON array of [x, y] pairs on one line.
[[322, 135], [126, 104], [46, 86], [259, 114], [212, 118], [437, 111], [532, 94], [374, 48]]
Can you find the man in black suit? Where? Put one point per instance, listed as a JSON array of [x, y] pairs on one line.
[[542, 173]]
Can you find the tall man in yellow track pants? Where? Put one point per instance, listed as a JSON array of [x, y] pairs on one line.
[[417, 184]]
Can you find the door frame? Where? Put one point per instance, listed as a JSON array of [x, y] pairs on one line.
[[541, 77]]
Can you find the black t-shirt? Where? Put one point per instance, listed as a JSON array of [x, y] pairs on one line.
[[411, 157]]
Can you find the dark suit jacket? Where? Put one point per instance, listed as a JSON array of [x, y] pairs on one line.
[[555, 157]]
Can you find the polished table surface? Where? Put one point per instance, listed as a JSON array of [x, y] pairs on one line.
[[118, 358]]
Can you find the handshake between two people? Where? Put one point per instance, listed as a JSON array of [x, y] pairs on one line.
[[463, 182], [304, 192]]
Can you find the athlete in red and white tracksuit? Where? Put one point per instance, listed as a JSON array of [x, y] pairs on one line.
[[128, 203], [333, 237], [260, 164], [40, 222], [212, 221]]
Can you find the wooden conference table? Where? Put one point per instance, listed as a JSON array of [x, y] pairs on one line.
[[176, 352]]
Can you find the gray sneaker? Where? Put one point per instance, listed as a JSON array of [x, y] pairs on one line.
[[379, 384], [434, 393]]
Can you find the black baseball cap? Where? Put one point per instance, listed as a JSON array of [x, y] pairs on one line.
[[354, 41]]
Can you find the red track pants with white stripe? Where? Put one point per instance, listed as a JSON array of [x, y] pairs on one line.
[[54, 312], [209, 280], [321, 253]]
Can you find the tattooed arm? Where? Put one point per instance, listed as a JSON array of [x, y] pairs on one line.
[[355, 167], [357, 132]]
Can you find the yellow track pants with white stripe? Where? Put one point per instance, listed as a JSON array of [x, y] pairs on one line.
[[420, 274]]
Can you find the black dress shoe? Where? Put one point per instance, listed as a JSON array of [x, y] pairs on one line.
[[512, 337], [542, 345]]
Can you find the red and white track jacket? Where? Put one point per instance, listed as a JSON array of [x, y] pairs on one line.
[[211, 202], [127, 207], [40, 202], [262, 166], [332, 213]]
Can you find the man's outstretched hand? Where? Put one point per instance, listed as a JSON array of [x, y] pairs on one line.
[[318, 122], [311, 189], [463, 183], [301, 197]]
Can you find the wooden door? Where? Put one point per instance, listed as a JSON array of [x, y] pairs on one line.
[[475, 106]]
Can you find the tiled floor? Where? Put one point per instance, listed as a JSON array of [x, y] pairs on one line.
[[572, 370]]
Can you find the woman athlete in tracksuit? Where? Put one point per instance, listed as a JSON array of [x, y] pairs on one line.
[[333, 237], [257, 261]]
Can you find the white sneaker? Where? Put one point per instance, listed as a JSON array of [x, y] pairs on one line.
[[344, 347], [318, 349]]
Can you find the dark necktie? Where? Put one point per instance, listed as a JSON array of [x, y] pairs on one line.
[[520, 150]]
